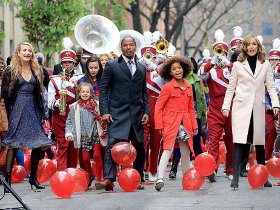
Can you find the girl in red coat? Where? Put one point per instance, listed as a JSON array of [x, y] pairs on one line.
[[175, 106]]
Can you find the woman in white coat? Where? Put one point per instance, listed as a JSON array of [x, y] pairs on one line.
[[249, 76]]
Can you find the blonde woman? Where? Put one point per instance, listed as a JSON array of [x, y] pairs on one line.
[[104, 58], [22, 93], [249, 77]]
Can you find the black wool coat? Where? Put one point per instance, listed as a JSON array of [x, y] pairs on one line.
[[125, 98]]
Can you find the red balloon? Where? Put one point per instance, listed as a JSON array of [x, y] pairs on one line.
[[27, 163], [257, 176], [123, 153], [85, 173], [46, 169], [252, 158], [129, 179], [222, 147], [204, 164], [127, 166], [18, 174], [273, 166], [62, 184], [79, 179], [192, 180]]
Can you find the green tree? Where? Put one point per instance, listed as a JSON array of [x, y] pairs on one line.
[[115, 10], [2, 35], [46, 22]]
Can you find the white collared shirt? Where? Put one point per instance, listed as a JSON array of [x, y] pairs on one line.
[[133, 64]]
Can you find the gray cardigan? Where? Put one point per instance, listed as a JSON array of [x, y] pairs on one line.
[[73, 125]]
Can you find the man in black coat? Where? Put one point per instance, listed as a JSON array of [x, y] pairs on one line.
[[124, 105]]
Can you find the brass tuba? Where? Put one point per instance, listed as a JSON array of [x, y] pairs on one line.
[[63, 94], [162, 45], [97, 34], [219, 50]]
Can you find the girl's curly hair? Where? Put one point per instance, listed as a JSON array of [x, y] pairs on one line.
[[166, 68], [245, 43]]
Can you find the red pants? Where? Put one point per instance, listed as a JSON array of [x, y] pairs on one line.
[[97, 157], [217, 123], [270, 136], [84, 159], [66, 155], [155, 138]]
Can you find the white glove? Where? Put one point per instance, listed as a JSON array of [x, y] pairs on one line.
[[57, 103], [225, 61], [159, 59], [214, 60], [150, 65], [142, 61], [66, 84]]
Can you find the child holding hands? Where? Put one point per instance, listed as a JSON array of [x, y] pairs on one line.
[[175, 107], [84, 125]]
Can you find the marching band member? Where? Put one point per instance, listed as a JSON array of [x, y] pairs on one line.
[[66, 155], [154, 85], [217, 74], [237, 40], [274, 60]]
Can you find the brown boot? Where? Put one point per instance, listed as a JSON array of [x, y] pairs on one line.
[[106, 184]]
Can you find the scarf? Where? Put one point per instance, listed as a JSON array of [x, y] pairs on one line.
[[90, 105]]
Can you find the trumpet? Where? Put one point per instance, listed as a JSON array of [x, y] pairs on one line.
[[162, 45], [63, 94]]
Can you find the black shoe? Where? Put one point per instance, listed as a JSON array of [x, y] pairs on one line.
[[234, 182], [91, 178], [212, 177], [267, 184], [8, 180], [234, 186], [172, 175], [34, 182]]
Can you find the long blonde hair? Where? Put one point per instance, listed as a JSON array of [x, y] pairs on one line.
[[16, 66], [244, 51]]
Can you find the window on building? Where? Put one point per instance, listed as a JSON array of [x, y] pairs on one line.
[[12, 47], [2, 25], [267, 29]]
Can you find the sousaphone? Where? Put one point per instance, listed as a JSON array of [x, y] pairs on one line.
[[97, 34]]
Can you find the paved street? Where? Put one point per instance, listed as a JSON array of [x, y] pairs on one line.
[[211, 196]]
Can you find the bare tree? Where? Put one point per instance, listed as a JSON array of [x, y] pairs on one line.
[[161, 13], [207, 17]]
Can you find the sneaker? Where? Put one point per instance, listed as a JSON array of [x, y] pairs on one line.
[[230, 177], [152, 177], [146, 175], [212, 177], [159, 184], [172, 175], [276, 153], [267, 184]]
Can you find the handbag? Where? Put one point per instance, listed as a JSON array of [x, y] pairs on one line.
[[182, 135]]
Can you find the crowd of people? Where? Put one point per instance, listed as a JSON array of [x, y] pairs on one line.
[[169, 107]]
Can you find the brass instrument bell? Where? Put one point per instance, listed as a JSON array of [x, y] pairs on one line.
[[161, 45]]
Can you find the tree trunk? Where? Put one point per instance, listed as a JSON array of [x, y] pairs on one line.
[[135, 12]]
